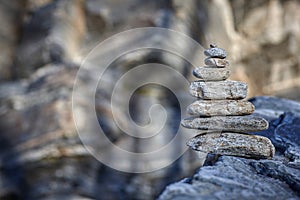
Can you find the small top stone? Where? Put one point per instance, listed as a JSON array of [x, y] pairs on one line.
[[215, 52]]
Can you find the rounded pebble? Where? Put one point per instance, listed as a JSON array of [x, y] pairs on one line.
[[215, 53]]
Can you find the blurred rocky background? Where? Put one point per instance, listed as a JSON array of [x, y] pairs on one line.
[[42, 44]]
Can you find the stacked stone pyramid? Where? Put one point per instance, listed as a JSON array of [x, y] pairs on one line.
[[220, 114]]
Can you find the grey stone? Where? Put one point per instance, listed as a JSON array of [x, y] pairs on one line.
[[53, 40], [284, 119], [37, 130], [211, 74], [220, 107], [276, 104], [237, 178], [215, 53], [278, 178], [278, 170], [11, 26], [247, 123], [216, 62], [219, 90], [233, 144]]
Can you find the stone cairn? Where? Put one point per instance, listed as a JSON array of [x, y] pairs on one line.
[[222, 117]]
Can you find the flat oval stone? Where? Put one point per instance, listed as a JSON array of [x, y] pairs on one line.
[[233, 144], [220, 107], [219, 90], [211, 74], [247, 123], [216, 62], [215, 53]]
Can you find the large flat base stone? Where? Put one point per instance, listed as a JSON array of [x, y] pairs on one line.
[[233, 144]]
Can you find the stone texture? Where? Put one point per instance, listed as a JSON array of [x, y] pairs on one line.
[[227, 177], [264, 30], [220, 107], [284, 120], [233, 144], [219, 90], [211, 74], [11, 23], [216, 62], [215, 112], [57, 39], [38, 136], [277, 104], [215, 53], [247, 123], [246, 36], [237, 178]]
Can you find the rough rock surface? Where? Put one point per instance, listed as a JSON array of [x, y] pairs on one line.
[[211, 74], [220, 107], [262, 38], [236, 178], [232, 144], [219, 90], [40, 149], [283, 131], [247, 123], [11, 12], [266, 30], [41, 156], [57, 39], [215, 53], [229, 177], [216, 62]]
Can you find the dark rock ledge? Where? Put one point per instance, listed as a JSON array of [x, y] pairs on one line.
[[227, 177]]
